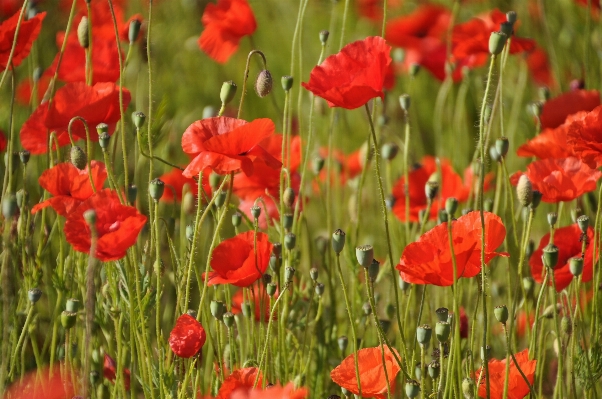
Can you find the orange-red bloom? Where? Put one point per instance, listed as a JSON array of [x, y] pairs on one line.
[[227, 145], [517, 387], [371, 371], [560, 179], [353, 76], [109, 370], [556, 110], [239, 380], [235, 262], [429, 260], [551, 142], [273, 392], [41, 384], [28, 33], [175, 182], [226, 23], [259, 302], [583, 135], [539, 66], [117, 226], [69, 186], [569, 241], [96, 104], [187, 337]]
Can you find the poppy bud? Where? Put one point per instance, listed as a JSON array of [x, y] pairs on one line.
[[494, 154], [220, 198], [502, 145], [576, 266], [271, 289], [289, 197], [68, 319], [324, 37], [442, 331], [263, 83], [536, 108], [236, 219], [227, 92], [217, 309], [313, 273], [78, 157], [82, 33], [550, 256], [364, 255], [277, 248], [156, 187], [497, 41], [34, 295], [524, 190], [414, 69], [246, 309], [338, 241], [544, 94], [434, 368], [22, 198], [24, 156], [451, 205], [418, 371], [373, 269], [575, 214], [468, 388], [412, 389], [138, 118], [287, 82], [511, 16], [104, 140], [430, 189], [72, 305], [317, 164], [287, 221], [275, 262], [389, 151], [102, 128], [485, 353], [132, 193], [366, 308], [289, 273], [528, 285], [548, 312], [229, 319], [134, 30], [530, 248], [320, 289], [566, 326], [189, 232], [552, 218], [583, 222], [488, 205], [506, 28], [9, 205], [423, 334], [442, 314], [537, 195], [405, 102], [290, 240], [90, 217], [501, 313]]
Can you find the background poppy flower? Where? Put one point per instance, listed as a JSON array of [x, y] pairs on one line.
[[41, 384], [428, 21], [226, 23], [241, 379], [69, 186], [539, 66], [373, 9], [96, 104], [28, 33], [569, 242], [109, 371], [234, 260], [371, 372], [258, 299], [353, 76], [429, 260], [517, 387], [273, 392], [583, 135], [187, 337], [556, 110], [3, 141], [551, 142], [176, 180], [560, 179], [117, 226], [227, 145]]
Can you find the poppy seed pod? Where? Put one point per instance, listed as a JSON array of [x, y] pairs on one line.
[[414, 69], [90, 217], [373, 269], [156, 187], [552, 218], [78, 157], [275, 261], [217, 309], [451, 206], [405, 102], [289, 273], [192, 313], [22, 198], [9, 205], [72, 305], [132, 193], [412, 389], [550, 256], [320, 289], [468, 388], [229, 319], [220, 198], [494, 154], [338, 241], [583, 222], [524, 190], [236, 219], [506, 28], [324, 37], [289, 197], [501, 313], [24, 156], [287, 220], [255, 212], [34, 295], [497, 41], [442, 331], [317, 164], [389, 151], [364, 255], [290, 241], [138, 118], [83, 36], [343, 341], [576, 266], [423, 334], [134, 30], [313, 273], [263, 83], [104, 140], [442, 314], [271, 289], [502, 145], [68, 319], [287, 82], [227, 92], [537, 195], [431, 189], [511, 17], [434, 369], [102, 128]]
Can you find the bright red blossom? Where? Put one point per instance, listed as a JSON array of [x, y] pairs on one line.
[[109, 370], [556, 110], [239, 380], [273, 392], [539, 66], [371, 371], [69, 186], [41, 384], [517, 387], [28, 33], [117, 226], [353, 76], [187, 337], [3, 141], [429, 260], [583, 135], [551, 142], [175, 182], [226, 23]]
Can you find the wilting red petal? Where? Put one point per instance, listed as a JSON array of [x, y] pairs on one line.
[[556, 110], [187, 337], [109, 371], [517, 387], [241, 379]]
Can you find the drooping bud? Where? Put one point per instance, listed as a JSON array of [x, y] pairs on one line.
[[82, 32], [497, 41], [263, 83], [524, 190], [227, 92], [78, 157]]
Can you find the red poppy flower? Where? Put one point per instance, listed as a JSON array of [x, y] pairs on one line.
[[373, 9], [9, 7], [428, 21], [109, 370], [28, 33], [41, 384], [560, 179], [569, 242], [187, 337], [429, 260], [117, 226], [175, 182], [539, 66], [594, 4], [517, 387], [226, 23], [353, 76], [69, 186], [235, 262], [227, 145], [556, 110], [583, 136], [25, 90], [96, 104], [551, 142], [273, 392], [258, 299], [239, 380], [3, 141], [372, 373]]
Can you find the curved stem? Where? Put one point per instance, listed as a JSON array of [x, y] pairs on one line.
[[246, 77]]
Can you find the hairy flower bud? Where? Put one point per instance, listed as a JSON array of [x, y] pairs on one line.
[[82, 32], [263, 83], [524, 190], [78, 157]]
